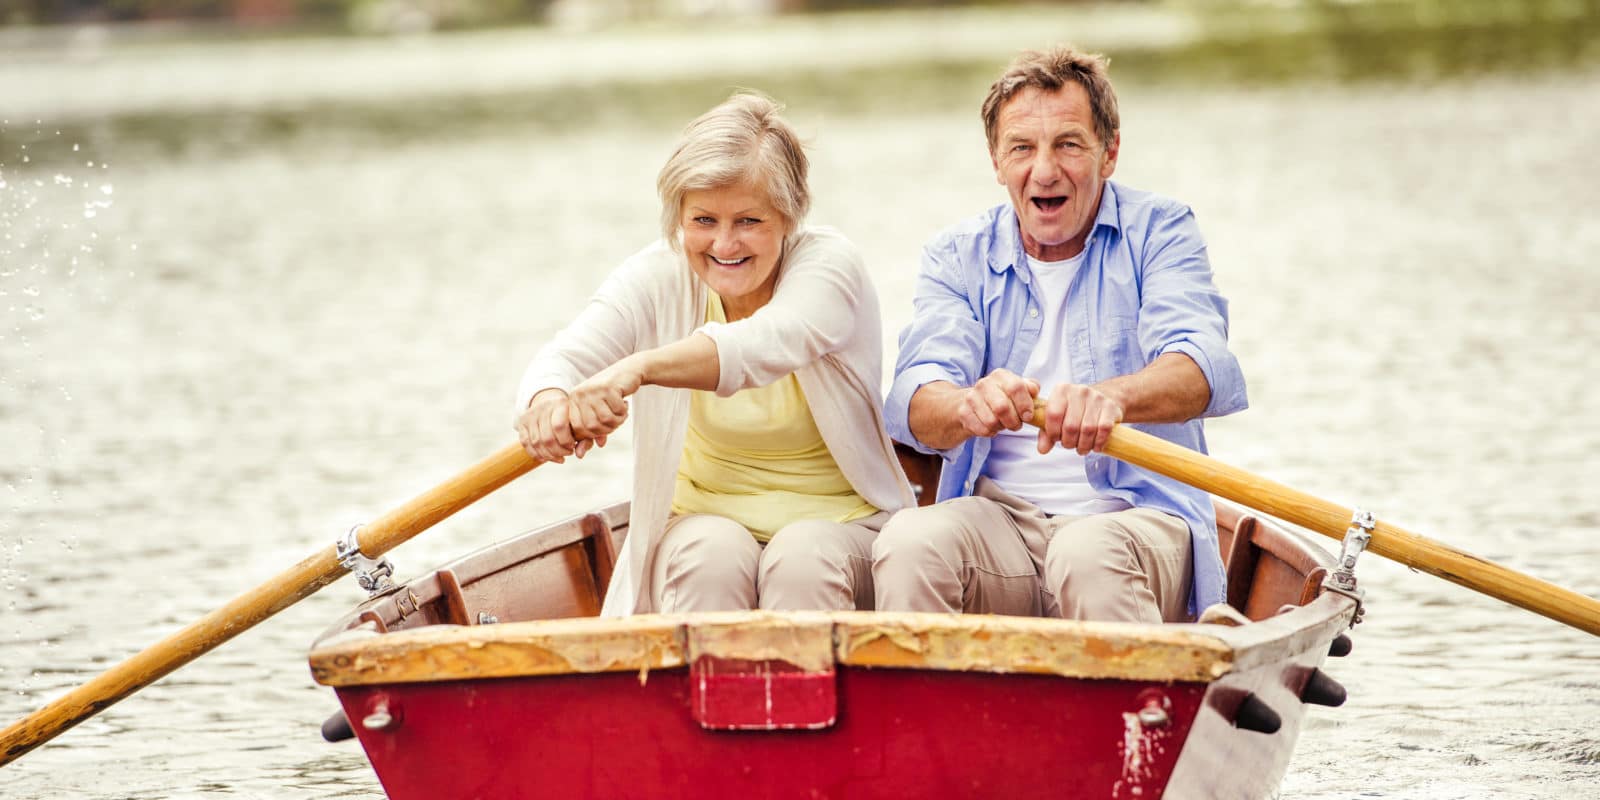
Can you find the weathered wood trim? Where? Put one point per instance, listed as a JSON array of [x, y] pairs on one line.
[[973, 643], [551, 647], [982, 643], [1283, 636], [804, 639]]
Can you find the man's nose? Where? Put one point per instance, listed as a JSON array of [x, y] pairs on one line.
[[1045, 170]]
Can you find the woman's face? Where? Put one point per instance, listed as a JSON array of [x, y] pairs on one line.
[[733, 238]]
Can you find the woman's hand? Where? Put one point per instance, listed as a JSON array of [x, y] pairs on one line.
[[599, 405], [544, 430]]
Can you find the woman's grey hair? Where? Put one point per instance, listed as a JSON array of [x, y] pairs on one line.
[[743, 140], [1050, 70]]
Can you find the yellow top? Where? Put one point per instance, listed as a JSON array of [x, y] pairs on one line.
[[758, 459]]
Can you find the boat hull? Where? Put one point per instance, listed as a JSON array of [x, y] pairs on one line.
[[489, 679], [898, 734]]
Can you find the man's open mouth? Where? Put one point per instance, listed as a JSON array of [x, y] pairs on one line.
[[1048, 204]]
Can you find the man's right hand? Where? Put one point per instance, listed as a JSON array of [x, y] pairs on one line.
[[942, 415], [1001, 400]]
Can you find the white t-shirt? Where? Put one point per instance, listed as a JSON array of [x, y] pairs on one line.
[[1056, 481]]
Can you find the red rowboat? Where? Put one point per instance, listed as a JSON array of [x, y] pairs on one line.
[[493, 678]]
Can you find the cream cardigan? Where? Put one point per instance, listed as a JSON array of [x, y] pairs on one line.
[[822, 324]]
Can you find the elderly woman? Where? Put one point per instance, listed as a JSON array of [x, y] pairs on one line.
[[764, 485]]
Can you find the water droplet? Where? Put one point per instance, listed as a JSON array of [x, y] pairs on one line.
[[105, 188], [62, 180], [74, 147], [31, 291], [89, 213]]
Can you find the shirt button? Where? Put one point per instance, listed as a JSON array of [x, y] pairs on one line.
[[1033, 312]]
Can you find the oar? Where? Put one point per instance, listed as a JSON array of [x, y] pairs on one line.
[[1330, 519], [282, 591]]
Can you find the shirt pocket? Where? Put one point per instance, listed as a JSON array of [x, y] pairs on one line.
[[1117, 350]]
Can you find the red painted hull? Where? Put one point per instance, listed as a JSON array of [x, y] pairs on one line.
[[898, 733]]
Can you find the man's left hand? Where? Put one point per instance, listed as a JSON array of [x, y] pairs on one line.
[[1079, 417]]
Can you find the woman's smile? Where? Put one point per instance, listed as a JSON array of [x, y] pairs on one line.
[[734, 241]]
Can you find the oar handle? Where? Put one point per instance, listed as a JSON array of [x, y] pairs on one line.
[[244, 611], [1330, 519]]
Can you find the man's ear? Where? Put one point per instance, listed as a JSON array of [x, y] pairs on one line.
[[1112, 150]]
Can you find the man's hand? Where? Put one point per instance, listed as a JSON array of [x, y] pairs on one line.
[[1079, 417], [1001, 400]]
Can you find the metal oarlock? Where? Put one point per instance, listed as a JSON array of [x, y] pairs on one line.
[[1343, 579], [372, 575]]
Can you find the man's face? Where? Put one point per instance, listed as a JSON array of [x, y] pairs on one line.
[[1053, 165]]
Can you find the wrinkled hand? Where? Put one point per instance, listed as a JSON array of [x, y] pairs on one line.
[[1079, 417], [544, 430], [999, 400], [599, 405]]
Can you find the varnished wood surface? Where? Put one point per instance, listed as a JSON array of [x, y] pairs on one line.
[[250, 608], [1332, 519]]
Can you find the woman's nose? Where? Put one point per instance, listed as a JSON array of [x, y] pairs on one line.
[[725, 244]]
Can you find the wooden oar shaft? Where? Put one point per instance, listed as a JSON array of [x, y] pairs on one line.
[[244, 611], [1331, 519]]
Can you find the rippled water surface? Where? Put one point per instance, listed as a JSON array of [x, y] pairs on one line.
[[214, 360]]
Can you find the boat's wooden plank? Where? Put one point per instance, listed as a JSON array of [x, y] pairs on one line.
[[972, 643], [551, 647], [984, 643]]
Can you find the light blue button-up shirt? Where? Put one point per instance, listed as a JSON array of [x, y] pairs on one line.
[[1145, 289]]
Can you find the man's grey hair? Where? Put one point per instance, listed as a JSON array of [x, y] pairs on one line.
[[1050, 70], [743, 140]]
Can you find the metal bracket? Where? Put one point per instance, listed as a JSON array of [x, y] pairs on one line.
[[1343, 579], [372, 575]]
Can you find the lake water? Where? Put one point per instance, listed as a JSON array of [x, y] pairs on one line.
[[232, 326]]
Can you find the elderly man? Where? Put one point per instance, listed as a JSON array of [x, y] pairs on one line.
[[1098, 297]]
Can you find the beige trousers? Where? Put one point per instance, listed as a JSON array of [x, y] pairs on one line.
[[711, 563], [993, 553]]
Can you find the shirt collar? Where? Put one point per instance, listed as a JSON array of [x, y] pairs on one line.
[[1006, 250]]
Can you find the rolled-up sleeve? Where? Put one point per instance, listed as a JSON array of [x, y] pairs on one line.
[[822, 300], [1183, 312], [604, 332], [944, 342]]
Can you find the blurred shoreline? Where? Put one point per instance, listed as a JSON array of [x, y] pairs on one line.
[[159, 88]]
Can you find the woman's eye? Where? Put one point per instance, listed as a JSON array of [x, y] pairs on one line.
[[749, 221], [704, 221]]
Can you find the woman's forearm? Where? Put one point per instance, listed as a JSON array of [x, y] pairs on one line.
[[689, 363]]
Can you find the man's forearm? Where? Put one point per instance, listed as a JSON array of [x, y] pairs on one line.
[[932, 415], [1169, 389]]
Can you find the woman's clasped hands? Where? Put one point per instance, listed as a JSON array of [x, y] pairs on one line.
[[558, 424]]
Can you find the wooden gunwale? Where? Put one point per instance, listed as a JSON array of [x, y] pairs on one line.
[[422, 647], [969, 643]]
